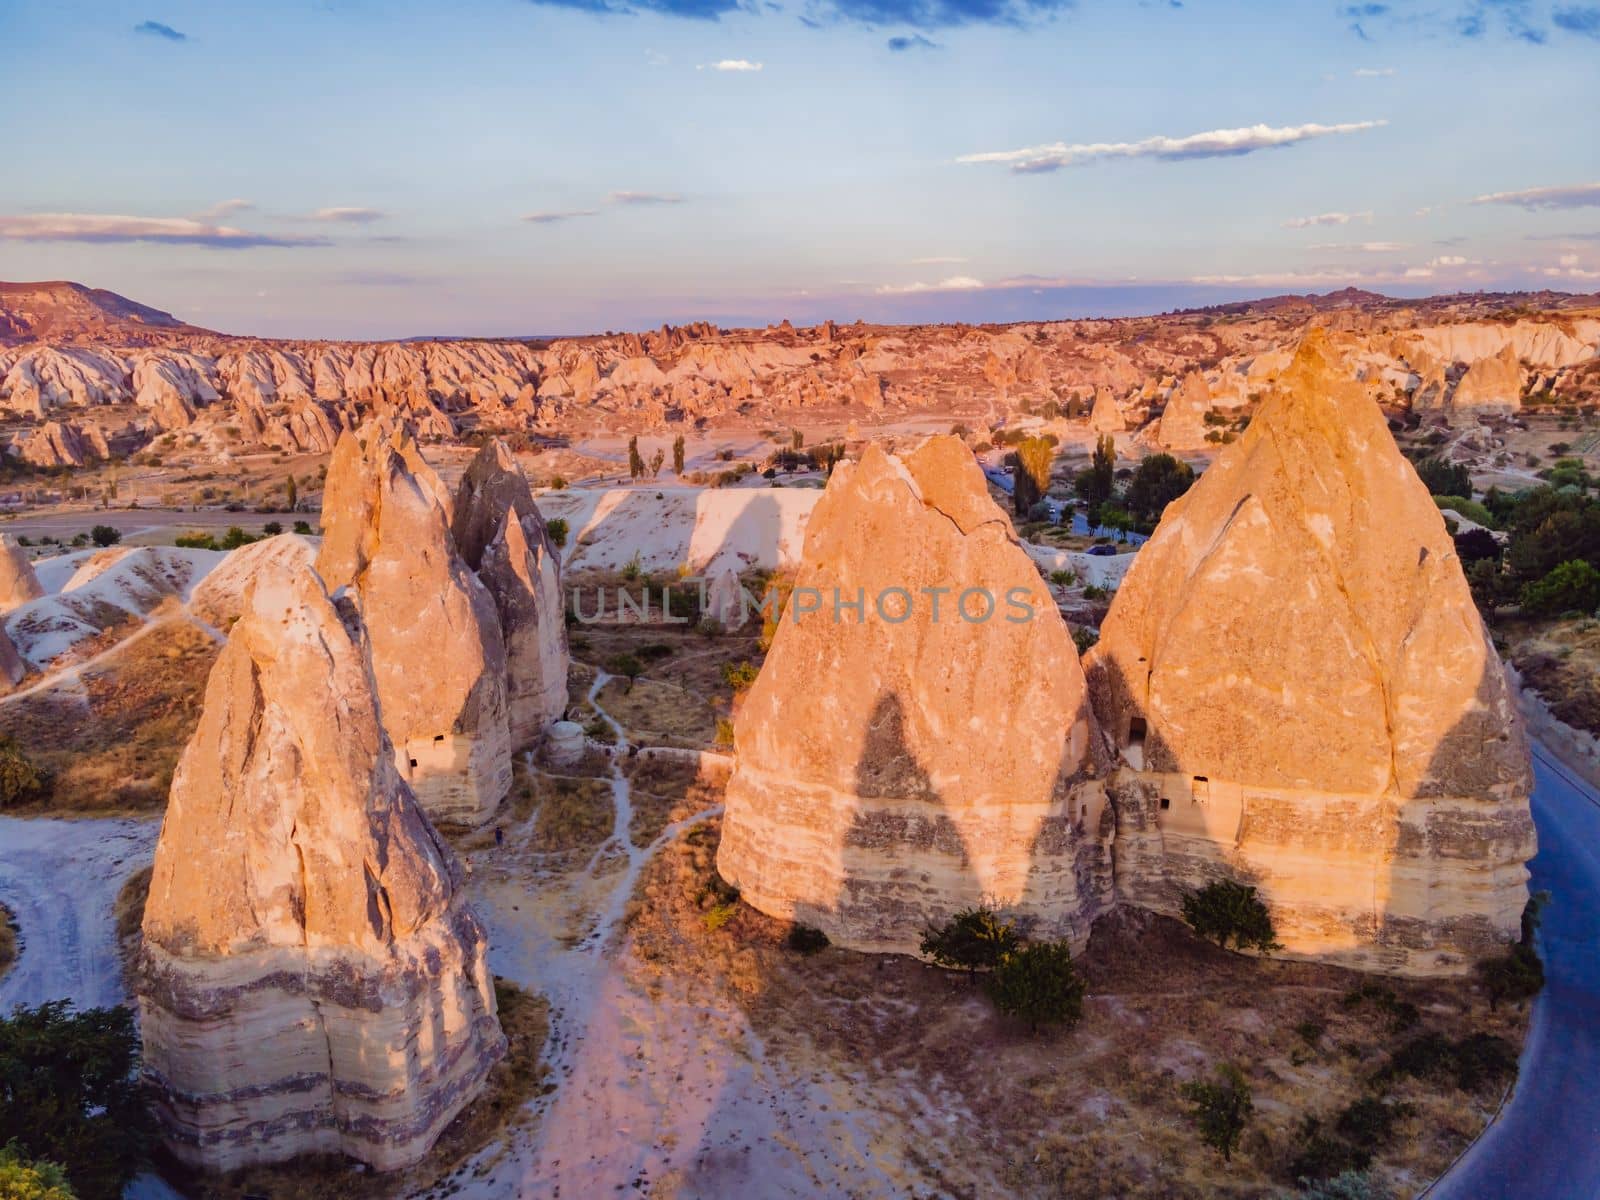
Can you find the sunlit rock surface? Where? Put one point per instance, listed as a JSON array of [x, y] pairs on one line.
[[437, 654], [312, 979], [18, 582], [1307, 700], [892, 772]]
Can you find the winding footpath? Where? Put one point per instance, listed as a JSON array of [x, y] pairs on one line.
[[1546, 1144]]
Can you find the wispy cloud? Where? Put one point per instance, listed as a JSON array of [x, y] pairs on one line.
[[956, 283], [738, 65], [553, 216], [348, 216], [1577, 195], [224, 208], [913, 41], [157, 29], [1373, 72], [1327, 218], [694, 10], [1364, 247], [103, 228], [937, 260], [1215, 143], [644, 198], [1584, 21]]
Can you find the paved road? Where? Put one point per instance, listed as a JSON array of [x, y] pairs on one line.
[[1546, 1146]]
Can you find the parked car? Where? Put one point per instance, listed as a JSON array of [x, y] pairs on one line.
[[1102, 551]]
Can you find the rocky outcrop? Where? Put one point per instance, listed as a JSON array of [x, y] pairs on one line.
[[1105, 416], [1306, 699], [1492, 384], [1182, 426], [12, 668], [312, 980], [437, 654], [18, 582], [60, 444], [891, 771]]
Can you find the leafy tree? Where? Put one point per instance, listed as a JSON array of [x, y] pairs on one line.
[[1572, 587], [677, 455], [105, 535], [656, 459], [626, 665], [303, 527], [1227, 911], [292, 493], [1444, 479], [1032, 457], [24, 1180], [974, 939], [1477, 545], [1038, 984], [69, 1093], [635, 459], [272, 528], [20, 780], [556, 527], [1222, 1109], [1094, 482], [1159, 481]]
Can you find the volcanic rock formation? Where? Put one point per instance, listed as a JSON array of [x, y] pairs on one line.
[[1306, 698], [1492, 384], [892, 771], [312, 979], [1183, 422], [18, 583], [437, 654]]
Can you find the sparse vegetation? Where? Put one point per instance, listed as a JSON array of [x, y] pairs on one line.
[[1221, 1109], [1226, 912], [21, 782], [556, 527], [1039, 985], [974, 940]]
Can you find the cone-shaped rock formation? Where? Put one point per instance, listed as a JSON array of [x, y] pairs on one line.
[[312, 979], [896, 765], [1306, 697], [18, 583]]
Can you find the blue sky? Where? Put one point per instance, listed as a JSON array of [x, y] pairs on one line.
[[364, 169]]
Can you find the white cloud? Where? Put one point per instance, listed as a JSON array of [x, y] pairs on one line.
[[1568, 260], [1281, 278], [1364, 247], [1448, 260], [1419, 272], [224, 208], [1577, 195], [938, 260], [642, 198], [1215, 143], [1327, 218], [956, 283], [110, 228], [348, 216], [550, 217], [1373, 72], [1423, 211], [730, 64]]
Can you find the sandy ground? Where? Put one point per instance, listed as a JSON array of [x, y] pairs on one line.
[[61, 879]]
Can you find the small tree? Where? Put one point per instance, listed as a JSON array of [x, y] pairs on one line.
[[20, 780], [1038, 984], [1033, 458], [1222, 1109], [105, 535], [974, 939], [292, 493], [1572, 587], [677, 455], [635, 459], [70, 1089], [1159, 481], [556, 527], [303, 527], [656, 459], [1227, 911], [626, 665], [272, 528]]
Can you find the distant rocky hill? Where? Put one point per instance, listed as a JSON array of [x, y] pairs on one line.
[[70, 311], [86, 375]]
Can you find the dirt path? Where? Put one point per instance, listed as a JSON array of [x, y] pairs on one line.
[[61, 879], [657, 1083]]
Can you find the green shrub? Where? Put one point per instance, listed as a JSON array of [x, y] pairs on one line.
[[1472, 1064], [20, 781], [974, 939], [105, 535], [196, 540], [1517, 975], [24, 1180], [1083, 637], [1038, 984], [303, 528], [556, 527], [1572, 587], [1226, 911], [1468, 508], [803, 939], [1222, 1109], [740, 675]]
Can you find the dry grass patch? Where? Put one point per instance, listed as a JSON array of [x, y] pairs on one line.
[[1097, 1110], [572, 814], [112, 746], [513, 1082], [659, 714], [1560, 660], [668, 788]]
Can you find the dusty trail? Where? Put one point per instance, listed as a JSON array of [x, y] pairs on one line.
[[61, 879], [656, 1082]]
